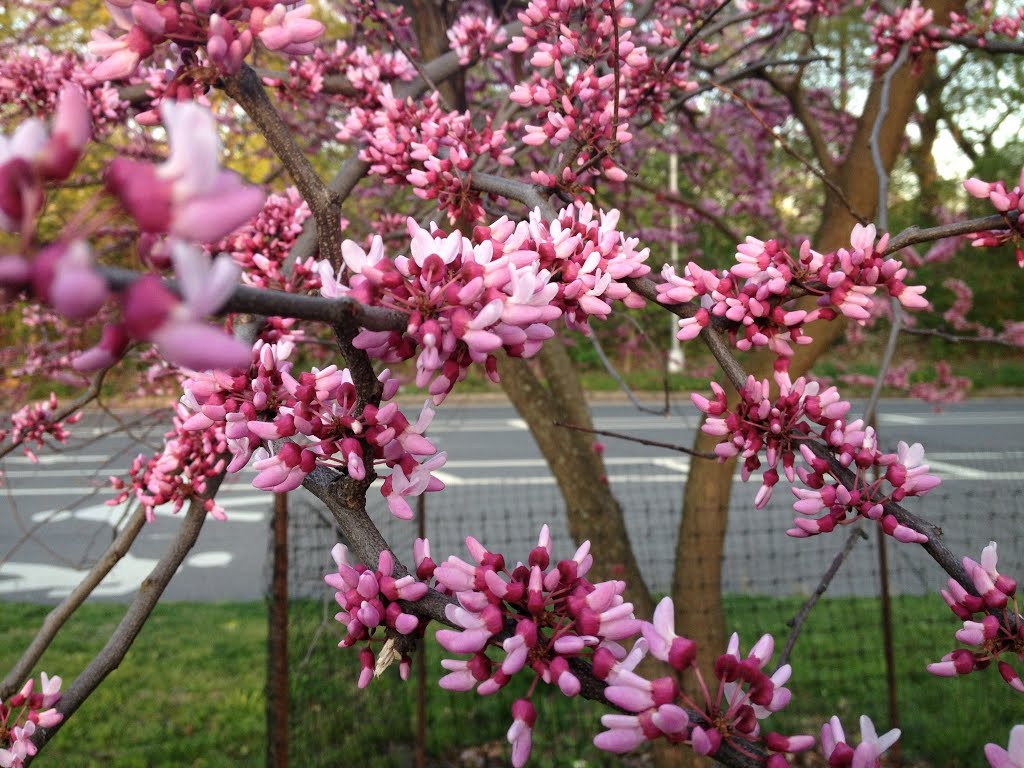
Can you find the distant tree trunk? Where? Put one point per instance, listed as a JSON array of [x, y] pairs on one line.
[[430, 21]]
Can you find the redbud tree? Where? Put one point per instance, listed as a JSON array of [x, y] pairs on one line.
[[497, 168]]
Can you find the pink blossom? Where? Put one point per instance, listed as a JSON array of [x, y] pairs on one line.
[[189, 196], [991, 622], [519, 735], [1012, 756], [866, 755]]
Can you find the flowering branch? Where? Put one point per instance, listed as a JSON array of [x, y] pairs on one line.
[[60, 414], [934, 546], [914, 235]]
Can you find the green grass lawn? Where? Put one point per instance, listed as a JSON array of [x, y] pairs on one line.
[[190, 692]]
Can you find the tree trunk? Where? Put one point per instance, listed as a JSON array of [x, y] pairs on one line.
[[592, 510]]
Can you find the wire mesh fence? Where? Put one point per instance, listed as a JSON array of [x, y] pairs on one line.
[[839, 661]]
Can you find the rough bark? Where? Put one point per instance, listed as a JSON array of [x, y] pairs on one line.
[[431, 20]]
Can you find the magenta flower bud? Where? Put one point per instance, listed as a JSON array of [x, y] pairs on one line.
[[1009, 674], [664, 690], [682, 653], [602, 663], [727, 668], [366, 662]]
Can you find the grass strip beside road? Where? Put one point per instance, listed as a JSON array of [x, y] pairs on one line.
[[190, 692]]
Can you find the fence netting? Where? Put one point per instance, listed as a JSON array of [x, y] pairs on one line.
[[839, 662]]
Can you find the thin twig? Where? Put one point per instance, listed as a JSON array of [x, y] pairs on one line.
[[610, 368], [797, 622], [883, 224], [959, 339], [640, 440]]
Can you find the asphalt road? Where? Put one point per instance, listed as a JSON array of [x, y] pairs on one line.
[[54, 522]]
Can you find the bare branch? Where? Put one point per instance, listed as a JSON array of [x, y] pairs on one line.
[[150, 591], [262, 301], [797, 622], [640, 440], [56, 618]]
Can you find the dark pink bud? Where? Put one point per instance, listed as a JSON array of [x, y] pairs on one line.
[[682, 653], [540, 557], [480, 666], [18, 187], [142, 193], [745, 720], [522, 709], [603, 661], [1006, 585], [727, 668], [664, 690]]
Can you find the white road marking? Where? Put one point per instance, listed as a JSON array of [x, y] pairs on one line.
[[209, 559], [58, 581]]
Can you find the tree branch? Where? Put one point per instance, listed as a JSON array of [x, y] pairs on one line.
[[246, 89], [56, 618], [150, 591], [269, 303]]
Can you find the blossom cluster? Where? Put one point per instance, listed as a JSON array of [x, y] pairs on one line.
[[21, 714], [750, 298], [310, 419], [910, 26], [186, 198], [366, 72], [31, 80], [34, 422], [543, 614], [992, 621], [261, 247], [781, 427], [369, 599], [226, 30], [731, 714], [178, 473], [472, 36], [1010, 203], [420, 143], [589, 79], [466, 298]]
